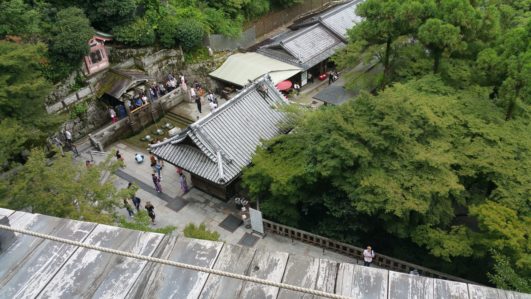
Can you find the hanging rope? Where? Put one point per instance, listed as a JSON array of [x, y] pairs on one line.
[[176, 264]]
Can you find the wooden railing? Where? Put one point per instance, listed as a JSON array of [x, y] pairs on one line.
[[380, 260]]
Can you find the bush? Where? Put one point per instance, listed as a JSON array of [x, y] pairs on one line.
[[167, 31], [190, 33], [142, 222], [200, 232], [138, 33]]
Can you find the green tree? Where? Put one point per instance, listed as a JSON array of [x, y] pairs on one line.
[[69, 36], [18, 18], [407, 163], [24, 121], [439, 37], [63, 188], [138, 33], [106, 14], [384, 22]]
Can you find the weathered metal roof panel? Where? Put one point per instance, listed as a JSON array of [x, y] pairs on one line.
[[362, 282], [265, 265], [450, 289], [409, 286], [110, 275], [172, 282], [234, 259]]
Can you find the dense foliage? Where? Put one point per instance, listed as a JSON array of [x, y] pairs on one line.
[[200, 232], [66, 26], [61, 188], [434, 166]]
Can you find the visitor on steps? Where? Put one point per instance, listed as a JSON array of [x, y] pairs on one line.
[[151, 211]]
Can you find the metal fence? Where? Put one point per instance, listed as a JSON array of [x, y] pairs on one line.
[[380, 260], [276, 19]]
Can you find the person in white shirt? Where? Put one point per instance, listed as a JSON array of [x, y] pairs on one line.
[[213, 106], [68, 137], [368, 255]]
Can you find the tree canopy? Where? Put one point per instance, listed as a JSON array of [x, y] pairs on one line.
[[435, 161]]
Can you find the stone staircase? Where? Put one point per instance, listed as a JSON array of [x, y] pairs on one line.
[[179, 120]]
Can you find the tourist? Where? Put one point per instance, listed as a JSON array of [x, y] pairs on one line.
[[183, 183], [330, 78], [210, 97], [213, 106], [297, 88], [139, 158], [153, 160], [179, 170], [156, 182], [68, 137], [136, 202], [128, 208], [144, 98], [162, 89], [158, 168], [119, 156], [368, 255], [151, 211], [112, 113], [198, 102], [192, 94], [310, 77], [88, 164]]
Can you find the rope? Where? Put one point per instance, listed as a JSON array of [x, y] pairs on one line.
[[176, 264]]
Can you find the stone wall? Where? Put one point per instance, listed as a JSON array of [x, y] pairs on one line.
[[137, 121]]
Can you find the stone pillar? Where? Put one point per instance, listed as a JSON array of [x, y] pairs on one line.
[[6, 237]]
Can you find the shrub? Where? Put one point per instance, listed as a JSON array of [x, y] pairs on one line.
[[142, 222], [200, 232], [138, 33], [190, 33]]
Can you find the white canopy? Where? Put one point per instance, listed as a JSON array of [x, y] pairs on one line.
[[242, 67]]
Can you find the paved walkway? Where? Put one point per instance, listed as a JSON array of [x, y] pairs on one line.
[[174, 208]]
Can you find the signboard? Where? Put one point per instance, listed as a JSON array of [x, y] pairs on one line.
[[257, 223], [304, 78]]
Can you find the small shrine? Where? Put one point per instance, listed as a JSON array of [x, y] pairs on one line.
[[98, 58]]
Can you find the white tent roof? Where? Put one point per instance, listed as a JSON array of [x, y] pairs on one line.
[[241, 67]]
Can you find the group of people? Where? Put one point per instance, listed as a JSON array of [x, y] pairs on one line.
[[136, 202], [332, 77]]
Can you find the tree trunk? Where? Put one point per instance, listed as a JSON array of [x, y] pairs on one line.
[[386, 62], [436, 60]]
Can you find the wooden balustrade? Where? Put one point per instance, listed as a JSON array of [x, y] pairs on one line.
[[380, 260]]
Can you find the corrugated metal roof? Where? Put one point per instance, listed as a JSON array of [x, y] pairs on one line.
[[304, 47], [234, 131], [342, 18], [239, 68], [36, 268]]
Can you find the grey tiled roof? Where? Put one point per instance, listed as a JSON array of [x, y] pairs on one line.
[[342, 18], [305, 47], [220, 145]]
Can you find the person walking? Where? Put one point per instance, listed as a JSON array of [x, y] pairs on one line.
[[368, 255], [156, 182], [153, 161], [128, 208], [136, 202], [198, 102], [183, 183], [158, 168], [151, 211], [330, 78], [119, 156], [68, 137]]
